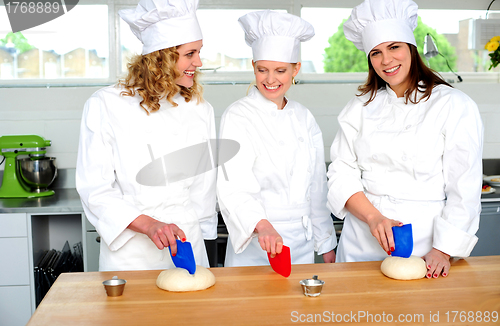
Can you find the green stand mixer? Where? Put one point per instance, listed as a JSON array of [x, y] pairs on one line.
[[29, 176]]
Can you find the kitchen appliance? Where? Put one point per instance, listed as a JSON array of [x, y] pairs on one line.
[[29, 176]]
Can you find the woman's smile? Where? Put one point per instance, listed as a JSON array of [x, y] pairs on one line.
[[272, 88], [392, 70]]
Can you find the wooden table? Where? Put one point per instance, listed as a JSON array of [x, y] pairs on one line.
[[354, 292]]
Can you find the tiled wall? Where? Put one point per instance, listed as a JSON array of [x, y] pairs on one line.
[[55, 113]]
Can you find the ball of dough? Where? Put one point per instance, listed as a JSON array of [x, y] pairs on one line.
[[400, 268], [179, 279]]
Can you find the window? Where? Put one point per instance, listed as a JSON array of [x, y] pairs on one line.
[[224, 48], [449, 29], [68, 48], [326, 22], [75, 50]]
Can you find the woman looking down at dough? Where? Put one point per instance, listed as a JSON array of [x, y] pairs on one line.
[[275, 190], [127, 128], [408, 150]]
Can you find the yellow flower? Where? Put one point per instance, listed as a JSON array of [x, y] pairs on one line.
[[492, 46]]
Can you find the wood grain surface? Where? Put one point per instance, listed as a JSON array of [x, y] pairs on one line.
[[355, 293]]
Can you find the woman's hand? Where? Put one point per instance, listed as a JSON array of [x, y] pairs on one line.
[[269, 238], [380, 226], [329, 257], [381, 229], [437, 263], [163, 235]]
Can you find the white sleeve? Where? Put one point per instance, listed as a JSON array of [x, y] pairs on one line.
[[202, 192], [344, 175], [99, 191], [324, 233], [239, 194], [454, 232]]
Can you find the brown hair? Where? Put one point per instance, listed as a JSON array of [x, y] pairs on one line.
[[419, 72], [153, 77]]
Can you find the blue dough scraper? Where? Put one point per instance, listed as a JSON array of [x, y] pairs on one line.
[[403, 241], [184, 257]]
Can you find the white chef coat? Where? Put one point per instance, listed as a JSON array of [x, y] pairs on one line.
[[117, 139], [278, 174], [416, 163]]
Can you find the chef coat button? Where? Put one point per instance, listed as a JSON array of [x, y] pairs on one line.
[[308, 198], [291, 172], [408, 127], [375, 157], [290, 112], [404, 158], [308, 169], [301, 139], [379, 127], [273, 114], [282, 143]]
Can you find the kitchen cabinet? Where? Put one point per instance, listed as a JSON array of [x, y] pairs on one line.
[[15, 305], [15, 289], [14, 250], [93, 247], [28, 228], [489, 223]]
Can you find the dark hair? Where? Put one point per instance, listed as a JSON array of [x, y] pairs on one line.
[[419, 72]]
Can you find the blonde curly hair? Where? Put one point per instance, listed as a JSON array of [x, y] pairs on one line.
[[153, 77]]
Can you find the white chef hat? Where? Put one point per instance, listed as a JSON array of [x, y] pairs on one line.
[[377, 21], [275, 36], [162, 24]]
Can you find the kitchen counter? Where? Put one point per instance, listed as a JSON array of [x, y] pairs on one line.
[[64, 200], [68, 200], [354, 292], [494, 197]]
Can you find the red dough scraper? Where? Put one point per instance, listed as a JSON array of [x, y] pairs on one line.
[[282, 263]]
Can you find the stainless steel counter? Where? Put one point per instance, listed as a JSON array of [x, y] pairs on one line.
[[494, 197], [68, 200], [64, 200]]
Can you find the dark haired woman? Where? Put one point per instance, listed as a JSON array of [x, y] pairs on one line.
[[156, 110], [408, 150]]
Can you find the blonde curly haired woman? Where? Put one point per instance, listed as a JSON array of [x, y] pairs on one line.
[[129, 127]]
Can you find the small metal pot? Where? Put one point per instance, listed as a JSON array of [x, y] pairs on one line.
[[312, 287], [114, 287]]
